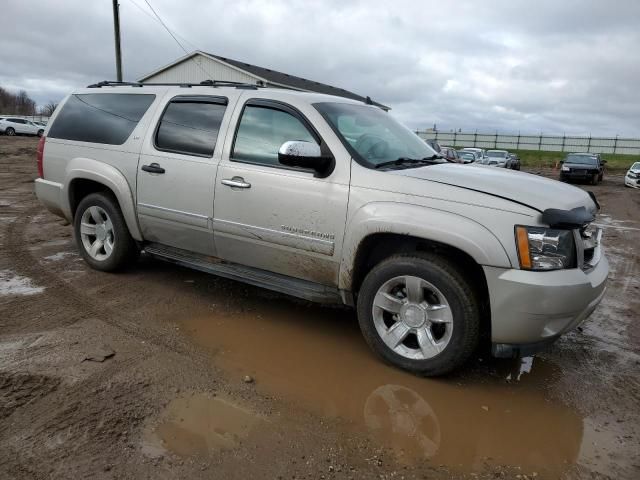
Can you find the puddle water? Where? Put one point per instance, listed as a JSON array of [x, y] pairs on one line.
[[199, 423], [12, 284], [316, 358]]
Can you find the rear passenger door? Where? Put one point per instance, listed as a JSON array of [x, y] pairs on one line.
[[177, 171]]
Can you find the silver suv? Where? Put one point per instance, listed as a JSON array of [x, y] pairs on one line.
[[330, 200]]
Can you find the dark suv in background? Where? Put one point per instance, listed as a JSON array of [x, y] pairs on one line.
[[582, 166]]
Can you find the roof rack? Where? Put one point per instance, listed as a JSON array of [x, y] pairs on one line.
[[205, 83]]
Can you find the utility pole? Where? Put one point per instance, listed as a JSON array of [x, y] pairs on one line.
[[116, 31]]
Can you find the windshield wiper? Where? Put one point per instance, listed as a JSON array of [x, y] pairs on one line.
[[410, 161]]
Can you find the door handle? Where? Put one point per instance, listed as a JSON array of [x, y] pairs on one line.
[[236, 182], [153, 168]]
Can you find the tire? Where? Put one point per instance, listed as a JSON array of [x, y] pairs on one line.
[[10, 131], [98, 220], [452, 315], [40, 132], [594, 179]]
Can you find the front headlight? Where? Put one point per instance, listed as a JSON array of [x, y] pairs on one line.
[[632, 175], [565, 169], [541, 248]]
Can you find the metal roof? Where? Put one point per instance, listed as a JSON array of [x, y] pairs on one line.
[[274, 77]]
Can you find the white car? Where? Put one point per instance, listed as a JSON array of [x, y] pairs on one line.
[[632, 178], [478, 152], [497, 158], [19, 126]]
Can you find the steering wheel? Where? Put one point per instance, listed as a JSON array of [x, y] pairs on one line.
[[370, 146]]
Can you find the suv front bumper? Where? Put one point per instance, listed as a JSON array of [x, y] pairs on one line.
[[532, 309]]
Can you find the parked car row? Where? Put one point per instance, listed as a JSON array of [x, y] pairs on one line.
[[480, 156], [19, 126]]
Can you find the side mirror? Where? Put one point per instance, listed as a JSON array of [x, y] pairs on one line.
[[304, 155], [561, 162]]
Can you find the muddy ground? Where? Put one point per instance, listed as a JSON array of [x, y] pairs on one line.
[[142, 374]]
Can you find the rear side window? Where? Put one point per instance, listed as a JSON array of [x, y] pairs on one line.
[[190, 126], [100, 117]]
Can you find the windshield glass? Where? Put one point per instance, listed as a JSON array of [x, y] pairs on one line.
[[496, 154], [373, 136], [581, 159], [635, 166]]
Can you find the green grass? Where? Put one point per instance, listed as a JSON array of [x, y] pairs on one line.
[[536, 159]]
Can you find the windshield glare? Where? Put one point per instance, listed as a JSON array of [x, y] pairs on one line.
[[581, 159], [372, 135]]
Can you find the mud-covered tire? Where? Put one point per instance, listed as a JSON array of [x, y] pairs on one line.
[[594, 179], [461, 298], [123, 250]]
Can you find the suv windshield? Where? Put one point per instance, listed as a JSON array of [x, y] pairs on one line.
[[496, 154], [581, 159], [374, 137]]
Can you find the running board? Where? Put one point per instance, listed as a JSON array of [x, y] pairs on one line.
[[295, 287]]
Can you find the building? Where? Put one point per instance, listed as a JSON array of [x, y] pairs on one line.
[[199, 66]]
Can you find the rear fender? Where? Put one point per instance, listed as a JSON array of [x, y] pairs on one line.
[[110, 177]]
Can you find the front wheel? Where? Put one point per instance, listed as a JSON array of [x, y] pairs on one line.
[[594, 179], [102, 234], [10, 131], [40, 132], [419, 313]]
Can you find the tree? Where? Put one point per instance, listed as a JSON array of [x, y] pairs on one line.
[[20, 104], [48, 109]]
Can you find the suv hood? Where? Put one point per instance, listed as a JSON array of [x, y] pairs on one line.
[[533, 191]]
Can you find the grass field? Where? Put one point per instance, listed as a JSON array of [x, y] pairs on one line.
[[534, 158]]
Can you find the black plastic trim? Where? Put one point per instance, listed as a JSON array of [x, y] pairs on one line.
[[574, 218]]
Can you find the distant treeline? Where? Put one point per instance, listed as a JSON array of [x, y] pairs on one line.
[[16, 104]]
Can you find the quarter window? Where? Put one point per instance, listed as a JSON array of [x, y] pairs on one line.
[[263, 130], [190, 127], [100, 117]]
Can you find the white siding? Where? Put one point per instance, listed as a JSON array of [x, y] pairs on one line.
[[199, 68]]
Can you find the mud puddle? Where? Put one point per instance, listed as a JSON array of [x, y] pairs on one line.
[[315, 358], [198, 423]]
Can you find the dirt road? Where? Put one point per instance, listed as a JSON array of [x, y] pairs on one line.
[[163, 372]]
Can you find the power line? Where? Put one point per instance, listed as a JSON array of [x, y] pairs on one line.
[[176, 40], [146, 12]]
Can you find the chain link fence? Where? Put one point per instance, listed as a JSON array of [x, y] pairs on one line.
[[549, 143]]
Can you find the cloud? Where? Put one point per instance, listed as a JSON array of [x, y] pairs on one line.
[[548, 66]]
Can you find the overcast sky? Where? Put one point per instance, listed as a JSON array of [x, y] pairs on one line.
[[551, 66]]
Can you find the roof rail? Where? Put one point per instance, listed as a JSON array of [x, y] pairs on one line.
[[205, 83]]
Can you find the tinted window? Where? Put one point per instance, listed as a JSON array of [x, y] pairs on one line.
[[101, 117], [262, 132], [190, 127]]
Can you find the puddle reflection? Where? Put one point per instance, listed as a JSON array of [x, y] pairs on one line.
[[316, 358]]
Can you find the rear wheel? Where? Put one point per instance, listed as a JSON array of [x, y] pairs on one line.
[[419, 313], [102, 234], [40, 132], [10, 131]]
